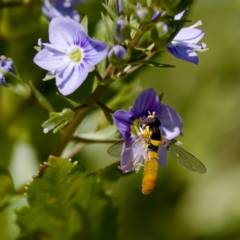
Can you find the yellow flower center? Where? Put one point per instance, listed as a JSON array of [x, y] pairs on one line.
[[76, 54]]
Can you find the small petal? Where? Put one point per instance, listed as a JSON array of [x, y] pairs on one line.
[[73, 78], [132, 154], [122, 120], [94, 52], [146, 101], [184, 53], [171, 122], [48, 61], [66, 32], [189, 35], [58, 8]]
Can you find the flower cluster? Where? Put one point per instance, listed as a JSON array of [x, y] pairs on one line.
[[147, 101]]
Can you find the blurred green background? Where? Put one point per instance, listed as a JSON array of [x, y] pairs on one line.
[[183, 205]]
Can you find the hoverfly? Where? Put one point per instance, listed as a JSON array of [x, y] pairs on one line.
[[147, 144]]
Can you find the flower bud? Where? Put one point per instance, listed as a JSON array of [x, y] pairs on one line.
[[118, 56], [58, 120], [143, 16], [173, 7], [121, 30], [161, 33]]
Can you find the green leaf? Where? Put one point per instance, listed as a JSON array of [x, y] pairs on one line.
[[40, 97], [111, 13], [153, 64], [109, 32], [6, 186], [66, 203], [84, 24]]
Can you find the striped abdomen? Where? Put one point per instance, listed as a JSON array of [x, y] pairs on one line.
[[150, 172]]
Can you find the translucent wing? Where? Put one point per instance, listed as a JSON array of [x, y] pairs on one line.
[[186, 159], [115, 150]]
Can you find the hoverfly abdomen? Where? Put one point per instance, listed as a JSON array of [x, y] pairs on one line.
[[150, 172]]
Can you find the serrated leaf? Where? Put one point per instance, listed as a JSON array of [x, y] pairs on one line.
[[109, 32], [66, 203], [84, 24], [111, 13], [49, 76], [40, 97], [6, 186], [153, 64]]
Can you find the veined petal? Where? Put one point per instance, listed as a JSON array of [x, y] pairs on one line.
[[132, 154], [189, 35], [65, 32], [171, 122], [69, 80], [122, 120], [162, 156], [184, 53], [94, 52], [146, 101], [48, 61]]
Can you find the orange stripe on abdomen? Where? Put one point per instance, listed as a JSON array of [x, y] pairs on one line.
[[150, 172]]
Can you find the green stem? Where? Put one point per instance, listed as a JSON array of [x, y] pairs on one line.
[[68, 131]]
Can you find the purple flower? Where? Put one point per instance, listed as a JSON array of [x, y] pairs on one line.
[[70, 54], [6, 65], [61, 8], [184, 45], [171, 125]]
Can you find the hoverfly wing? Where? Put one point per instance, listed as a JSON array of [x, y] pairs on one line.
[[186, 159], [116, 149]]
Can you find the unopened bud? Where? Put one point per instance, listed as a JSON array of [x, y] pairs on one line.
[[121, 30], [118, 56]]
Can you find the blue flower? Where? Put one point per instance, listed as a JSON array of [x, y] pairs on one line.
[[61, 8], [184, 45], [171, 125], [70, 54], [6, 65]]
